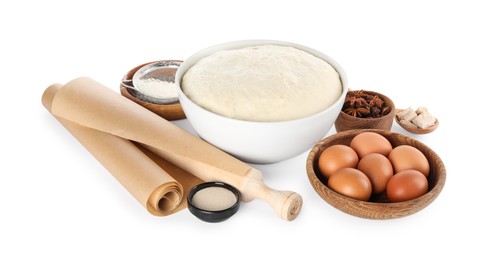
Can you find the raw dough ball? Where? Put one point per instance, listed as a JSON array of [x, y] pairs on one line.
[[262, 83]]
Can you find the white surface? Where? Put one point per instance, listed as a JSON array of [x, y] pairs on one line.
[[60, 203]]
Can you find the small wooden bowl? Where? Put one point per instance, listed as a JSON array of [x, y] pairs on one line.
[[346, 122], [378, 207], [169, 112], [416, 130]]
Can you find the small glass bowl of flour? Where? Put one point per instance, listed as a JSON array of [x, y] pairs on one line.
[[213, 201], [155, 82]]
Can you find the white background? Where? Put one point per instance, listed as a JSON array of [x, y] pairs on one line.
[[58, 202]]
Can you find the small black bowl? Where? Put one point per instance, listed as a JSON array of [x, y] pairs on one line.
[[213, 216]]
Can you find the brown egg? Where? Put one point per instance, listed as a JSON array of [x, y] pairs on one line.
[[406, 185], [352, 183], [378, 169], [406, 157], [369, 142], [337, 157]]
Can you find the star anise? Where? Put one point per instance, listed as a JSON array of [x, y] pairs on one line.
[[355, 101], [357, 93], [375, 112], [361, 104], [376, 101], [357, 112]]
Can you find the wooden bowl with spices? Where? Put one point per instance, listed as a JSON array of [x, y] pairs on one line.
[[164, 69], [378, 206], [364, 109]]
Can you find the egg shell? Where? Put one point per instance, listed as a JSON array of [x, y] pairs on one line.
[[369, 142], [406, 185], [352, 183], [378, 169], [337, 157], [406, 157]]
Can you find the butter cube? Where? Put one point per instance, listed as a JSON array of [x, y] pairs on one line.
[[408, 123], [407, 114], [421, 110], [424, 120]]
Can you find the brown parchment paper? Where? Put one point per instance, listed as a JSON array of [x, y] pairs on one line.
[[158, 185], [90, 105], [93, 105]]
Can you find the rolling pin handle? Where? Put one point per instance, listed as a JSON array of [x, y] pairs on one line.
[[287, 204]]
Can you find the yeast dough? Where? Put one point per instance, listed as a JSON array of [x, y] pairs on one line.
[[262, 83]]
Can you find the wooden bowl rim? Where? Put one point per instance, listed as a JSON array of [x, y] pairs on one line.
[[416, 130], [401, 209]]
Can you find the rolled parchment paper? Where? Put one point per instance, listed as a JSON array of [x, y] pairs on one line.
[[86, 102], [145, 175]]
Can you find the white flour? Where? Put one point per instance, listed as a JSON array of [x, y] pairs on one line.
[[157, 88]]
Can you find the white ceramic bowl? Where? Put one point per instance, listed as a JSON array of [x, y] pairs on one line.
[[259, 142]]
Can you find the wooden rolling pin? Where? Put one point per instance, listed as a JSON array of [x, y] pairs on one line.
[[90, 104]]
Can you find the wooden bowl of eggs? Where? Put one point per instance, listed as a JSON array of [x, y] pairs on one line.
[[375, 174]]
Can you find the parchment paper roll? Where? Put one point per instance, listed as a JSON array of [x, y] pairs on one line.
[[87, 103], [142, 173]]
